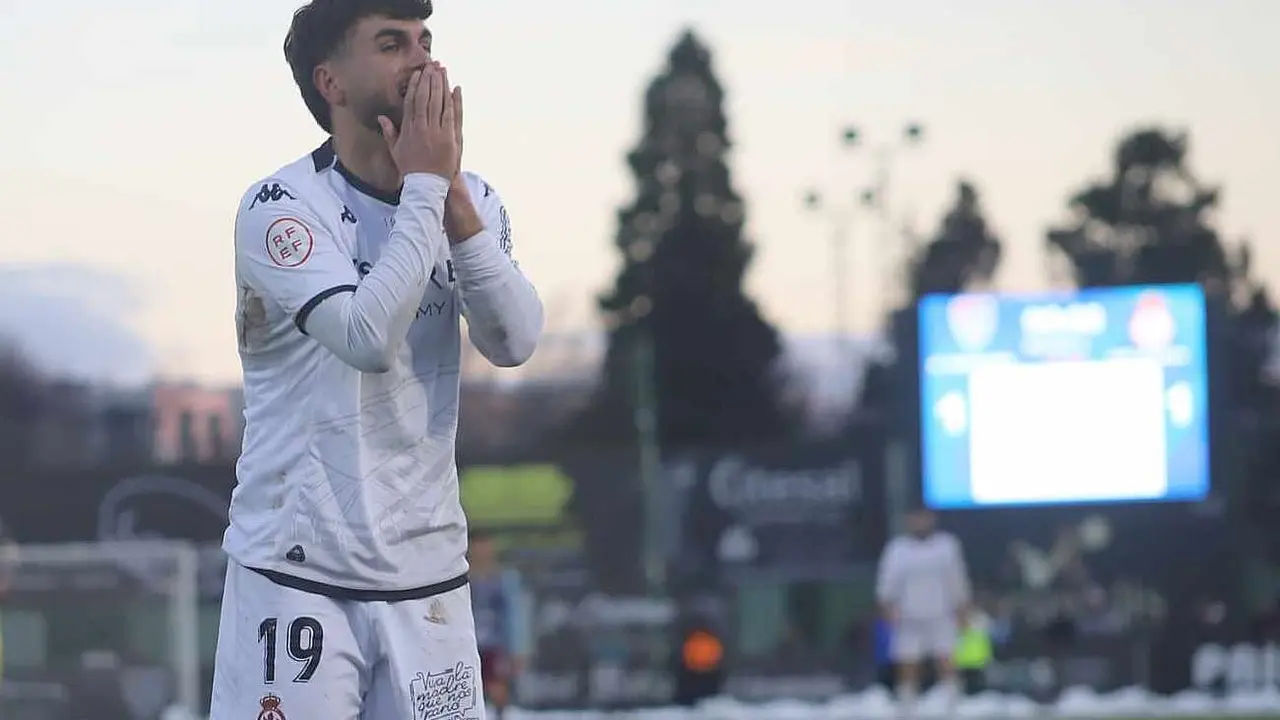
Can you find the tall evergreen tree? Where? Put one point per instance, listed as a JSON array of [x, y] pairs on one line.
[[961, 253], [1151, 222], [713, 360]]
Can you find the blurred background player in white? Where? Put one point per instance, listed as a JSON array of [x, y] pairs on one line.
[[924, 593], [346, 597]]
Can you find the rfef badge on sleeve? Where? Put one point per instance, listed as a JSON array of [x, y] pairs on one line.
[[289, 242]]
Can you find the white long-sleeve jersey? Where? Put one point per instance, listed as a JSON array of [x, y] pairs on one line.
[[349, 322], [923, 578]]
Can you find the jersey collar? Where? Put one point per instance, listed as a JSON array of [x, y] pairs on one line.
[[325, 157]]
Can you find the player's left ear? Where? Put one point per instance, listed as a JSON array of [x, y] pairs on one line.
[[328, 84]]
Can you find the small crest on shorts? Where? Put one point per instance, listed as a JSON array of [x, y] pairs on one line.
[[296, 554], [271, 708], [435, 613]]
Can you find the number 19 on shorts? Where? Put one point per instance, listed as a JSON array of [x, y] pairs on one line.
[[304, 641]]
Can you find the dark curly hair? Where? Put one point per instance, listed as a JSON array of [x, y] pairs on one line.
[[318, 32]]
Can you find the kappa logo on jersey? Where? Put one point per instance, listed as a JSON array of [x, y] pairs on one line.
[[270, 193], [271, 708], [973, 321], [289, 242], [348, 216]]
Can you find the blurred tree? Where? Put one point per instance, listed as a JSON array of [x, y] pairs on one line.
[[691, 364], [1151, 222], [714, 360], [46, 422], [961, 253], [22, 399]]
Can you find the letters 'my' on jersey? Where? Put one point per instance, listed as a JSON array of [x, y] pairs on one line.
[[347, 478]]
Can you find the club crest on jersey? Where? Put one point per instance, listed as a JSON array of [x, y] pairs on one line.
[[271, 708], [973, 321]]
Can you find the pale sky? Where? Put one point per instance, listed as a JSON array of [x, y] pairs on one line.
[[131, 128]]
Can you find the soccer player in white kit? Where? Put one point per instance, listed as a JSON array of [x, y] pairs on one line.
[[346, 594], [924, 593]]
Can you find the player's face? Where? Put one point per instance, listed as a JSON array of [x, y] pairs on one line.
[[376, 63], [920, 523]]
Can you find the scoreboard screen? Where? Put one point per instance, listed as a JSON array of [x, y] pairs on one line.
[[1095, 396]]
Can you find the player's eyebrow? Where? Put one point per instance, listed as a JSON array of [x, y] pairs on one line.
[[390, 33], [400, 35]]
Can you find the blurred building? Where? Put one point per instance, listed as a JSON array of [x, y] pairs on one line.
[[71, 426], [561, 357], [75, 426], [193, 424], [498, 419], [824, 372]]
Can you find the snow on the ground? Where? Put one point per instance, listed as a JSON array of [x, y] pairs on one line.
[[877, 704]]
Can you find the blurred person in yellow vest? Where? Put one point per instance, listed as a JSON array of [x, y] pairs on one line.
[[974, 652]]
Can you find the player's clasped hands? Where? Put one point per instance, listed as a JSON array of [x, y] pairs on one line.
[[427, 140]]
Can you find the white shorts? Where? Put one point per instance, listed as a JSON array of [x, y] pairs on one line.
[[284, 653], [914, 639]]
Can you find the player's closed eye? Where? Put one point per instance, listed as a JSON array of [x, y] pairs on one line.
[[395, 46]]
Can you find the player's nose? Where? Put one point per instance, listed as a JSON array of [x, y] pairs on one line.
[[419, 56]]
